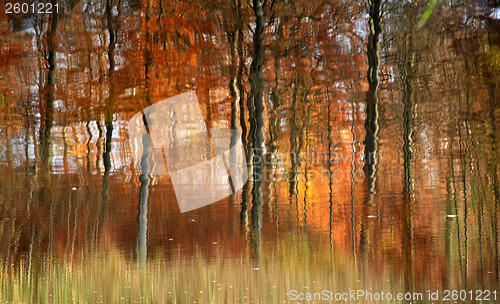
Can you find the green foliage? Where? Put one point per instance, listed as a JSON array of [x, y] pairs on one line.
[[493, 62], [113, 278], [428, 12]]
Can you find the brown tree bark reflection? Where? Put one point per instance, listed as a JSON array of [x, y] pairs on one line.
[[256, 124]]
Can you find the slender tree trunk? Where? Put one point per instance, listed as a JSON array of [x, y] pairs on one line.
[[142, 208], [371, 122], [108, 111], [256, 126]]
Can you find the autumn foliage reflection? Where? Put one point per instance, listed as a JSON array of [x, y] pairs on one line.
[[327, 77]]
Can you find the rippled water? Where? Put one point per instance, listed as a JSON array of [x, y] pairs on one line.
[[378, 168]]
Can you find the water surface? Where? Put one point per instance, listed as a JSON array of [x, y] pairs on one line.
[[378, 139]]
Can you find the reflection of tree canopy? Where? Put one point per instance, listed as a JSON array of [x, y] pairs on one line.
[[313, 91]]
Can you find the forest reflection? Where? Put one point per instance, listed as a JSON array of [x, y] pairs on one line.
[[411, 112]]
